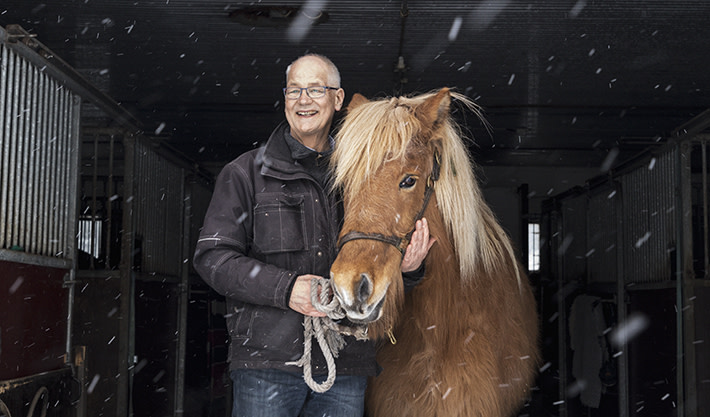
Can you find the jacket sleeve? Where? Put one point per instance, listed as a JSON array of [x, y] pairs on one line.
[[413, 278], [221, 251]]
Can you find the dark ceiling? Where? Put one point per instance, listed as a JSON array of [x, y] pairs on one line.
[[562, 82]]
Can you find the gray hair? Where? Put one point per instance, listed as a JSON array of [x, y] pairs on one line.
[[333, 73]]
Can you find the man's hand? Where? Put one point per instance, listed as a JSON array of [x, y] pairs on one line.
[[418, 247], [301, 297]]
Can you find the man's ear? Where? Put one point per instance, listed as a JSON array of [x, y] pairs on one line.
[[339, 99], [357, 100]]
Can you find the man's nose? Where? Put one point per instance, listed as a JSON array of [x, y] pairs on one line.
[[304, 98]]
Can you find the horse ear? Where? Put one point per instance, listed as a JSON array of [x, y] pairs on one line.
[[356, 101], [436, 108]]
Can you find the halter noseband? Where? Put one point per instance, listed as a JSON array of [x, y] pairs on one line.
[[400, 242]]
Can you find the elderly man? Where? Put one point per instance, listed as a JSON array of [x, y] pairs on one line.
[[272, 226]]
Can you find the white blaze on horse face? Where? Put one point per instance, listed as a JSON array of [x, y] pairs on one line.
[[344, 297]]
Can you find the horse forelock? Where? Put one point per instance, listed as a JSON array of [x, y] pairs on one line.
[[382, 130], [371, 135]]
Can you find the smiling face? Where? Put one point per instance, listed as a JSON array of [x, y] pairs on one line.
[[310, 119]]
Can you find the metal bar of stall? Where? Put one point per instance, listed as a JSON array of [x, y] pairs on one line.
[[38, 113], [58, 177], [621, 313], [11, 183], [39, 160], [639, 203], [20, 185], [48, 131], [143, 217], [158, 243], [73, 160], [704, 175], [62, 179], [175, 192], [30, 121], [7, 71], [48, 164], [4, 140], [67, 218], [109, 204], [94, 188], [679, 281], [126, 325], [139, 179], [156, 216], [687, 381], [524, 215], [19, 200], [15, 155], [25, 181], [34, 175], [45, 113], [562, 312], [41, 114], [52, 183], [25, 120], [183, 292]]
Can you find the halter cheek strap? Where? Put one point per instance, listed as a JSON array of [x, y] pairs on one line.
[[400, 243]]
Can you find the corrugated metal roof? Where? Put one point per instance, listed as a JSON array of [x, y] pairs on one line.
[[577, 77]]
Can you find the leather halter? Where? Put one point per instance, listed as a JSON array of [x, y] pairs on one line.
[[400, 242]]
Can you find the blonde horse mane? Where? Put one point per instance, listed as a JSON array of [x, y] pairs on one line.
[[381, 131]]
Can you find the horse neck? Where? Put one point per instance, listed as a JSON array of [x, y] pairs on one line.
[[442, 262], [430, 308], [444, 294]]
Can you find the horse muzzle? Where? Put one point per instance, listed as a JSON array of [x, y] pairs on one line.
[[356, 303]]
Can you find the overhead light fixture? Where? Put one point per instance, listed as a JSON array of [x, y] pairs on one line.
[[275, 16]]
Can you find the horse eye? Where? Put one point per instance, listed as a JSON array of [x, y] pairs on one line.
[[408, 182]]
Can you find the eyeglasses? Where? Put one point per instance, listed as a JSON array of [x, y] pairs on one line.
[[294, 93]]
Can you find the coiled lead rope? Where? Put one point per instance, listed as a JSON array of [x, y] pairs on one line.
[[327, 332]]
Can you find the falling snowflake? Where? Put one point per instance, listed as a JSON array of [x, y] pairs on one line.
[[455, 27], [629, 329]]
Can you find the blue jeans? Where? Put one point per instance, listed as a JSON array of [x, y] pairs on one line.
[[273, 393]]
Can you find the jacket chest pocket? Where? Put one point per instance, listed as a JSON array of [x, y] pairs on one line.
[[280, 224]]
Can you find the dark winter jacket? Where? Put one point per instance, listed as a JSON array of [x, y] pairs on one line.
[[270, 220]]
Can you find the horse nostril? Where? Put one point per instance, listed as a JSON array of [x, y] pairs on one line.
[[364, 289]]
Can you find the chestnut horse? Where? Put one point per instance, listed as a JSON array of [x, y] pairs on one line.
[[463, 342]]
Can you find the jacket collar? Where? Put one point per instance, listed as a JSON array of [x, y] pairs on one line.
[[277, 155]]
